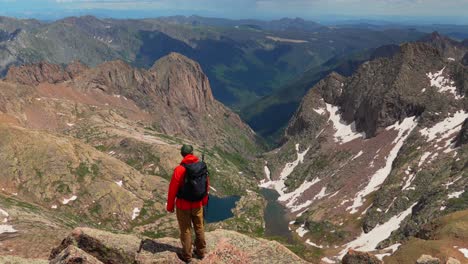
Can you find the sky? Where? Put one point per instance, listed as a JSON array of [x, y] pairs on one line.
[[434, 11]]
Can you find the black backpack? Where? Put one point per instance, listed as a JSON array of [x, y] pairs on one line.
[[195, 182]]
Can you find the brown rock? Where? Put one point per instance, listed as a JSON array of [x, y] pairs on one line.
[[104, 246], [453, 261], [76, 68], [357, 257], [73, 255], [34, 74], [222, 247]]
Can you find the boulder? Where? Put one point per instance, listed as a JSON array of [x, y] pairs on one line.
[[357, 257], [427, 259], [73, 255], [453, 261]]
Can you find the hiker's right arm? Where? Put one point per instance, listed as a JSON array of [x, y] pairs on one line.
[[174, 188]]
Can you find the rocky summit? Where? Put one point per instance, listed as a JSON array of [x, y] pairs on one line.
[[86, 245]]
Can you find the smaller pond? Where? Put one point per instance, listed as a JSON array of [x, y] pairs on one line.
[[219, 208], [276, 223]]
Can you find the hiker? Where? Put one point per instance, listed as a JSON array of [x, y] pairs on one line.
[[189, 191]]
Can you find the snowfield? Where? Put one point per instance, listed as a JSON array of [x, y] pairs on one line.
[[445, 128], [368, 241], [279, 185], [404, 130], [443, 84], [344, 133]]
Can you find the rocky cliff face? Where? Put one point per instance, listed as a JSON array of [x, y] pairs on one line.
[[175, 92], [371, 158]]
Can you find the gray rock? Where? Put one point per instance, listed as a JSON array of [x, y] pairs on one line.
[[427, 259]]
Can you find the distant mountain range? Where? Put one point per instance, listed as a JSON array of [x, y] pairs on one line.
[[244, 59]]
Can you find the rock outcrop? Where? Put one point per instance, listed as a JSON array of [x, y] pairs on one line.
[[224, 246], [427, 259], [34, 74], [356, 257], [462, 137]]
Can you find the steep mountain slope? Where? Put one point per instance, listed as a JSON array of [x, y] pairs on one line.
[[286, 99], [372, 157]]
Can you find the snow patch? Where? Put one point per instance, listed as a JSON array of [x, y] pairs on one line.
[[344, 133], [464, 251], [424, 158], [404, 129], [267, 172], [409, 181], [391, 248], [455, 194], [279, 185], [136, 213], [445, 128], [320, 111], [443, 84], [368, 241], [119, 183], [327, 260], [301, 231], [358, 155], [7, 229], [313, 244], [66, 201], [54, 206]]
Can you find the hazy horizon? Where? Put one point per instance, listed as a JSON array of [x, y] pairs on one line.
[[335, 11]]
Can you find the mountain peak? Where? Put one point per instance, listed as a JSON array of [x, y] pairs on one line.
[[183, 80]]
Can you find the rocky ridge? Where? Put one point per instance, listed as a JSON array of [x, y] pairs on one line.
[[175, 92], [369, 159]]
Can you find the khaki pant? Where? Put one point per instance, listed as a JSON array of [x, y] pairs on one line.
[[185, 219]]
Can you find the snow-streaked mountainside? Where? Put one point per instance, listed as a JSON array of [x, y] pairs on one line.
[[369, 160]]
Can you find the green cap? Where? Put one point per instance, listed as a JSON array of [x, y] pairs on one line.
[[186, 149]]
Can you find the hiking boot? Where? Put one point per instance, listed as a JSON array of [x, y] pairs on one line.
[[198, 255], [184, 259]]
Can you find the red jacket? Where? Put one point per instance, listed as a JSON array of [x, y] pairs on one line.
[[176, 183]]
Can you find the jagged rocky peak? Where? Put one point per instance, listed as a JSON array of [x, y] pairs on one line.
[[448, 47], [183, 80], [34, 74], [385, 91], [305, 119]]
